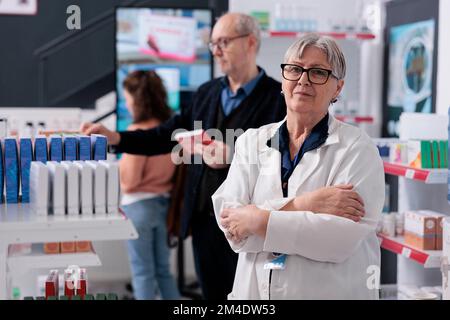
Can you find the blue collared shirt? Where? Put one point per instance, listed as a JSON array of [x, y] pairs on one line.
[[231, 101], [317, 137]]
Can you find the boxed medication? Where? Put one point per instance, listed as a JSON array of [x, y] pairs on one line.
[[52, 284], [438, 219], [72, 188], [419, 154], [40, 148], [26, 156], [398, 152], [39, 187], [84, 147], [69, 282], [70, 147], [86, 187], [82, 286], [11, 170], [67, 247], [112, 185], [57, 188], [99, 174], [99, 145], [56, 148], [83, 246], [52, 248], [420, 230], [443, 154]]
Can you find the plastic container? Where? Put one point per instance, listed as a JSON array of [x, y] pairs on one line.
[[389, 224], [399, 224]]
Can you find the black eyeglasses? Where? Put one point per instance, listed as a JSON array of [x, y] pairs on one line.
[[293, 72], [223, 43]]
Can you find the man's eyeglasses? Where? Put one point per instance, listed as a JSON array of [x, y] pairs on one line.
[[293, 72], [223, 43]]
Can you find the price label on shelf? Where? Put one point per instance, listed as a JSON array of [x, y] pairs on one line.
[[406, 252], [409, 173]]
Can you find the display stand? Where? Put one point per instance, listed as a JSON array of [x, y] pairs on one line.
[[18, 224], [426, 258], [420, 189]]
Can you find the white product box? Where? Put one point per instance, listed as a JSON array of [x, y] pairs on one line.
[[73, 188], [39, 188], [445, 262], [112, 186], [99, 174], [57, 188], [86, 187]]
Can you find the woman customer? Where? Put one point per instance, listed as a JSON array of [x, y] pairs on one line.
[[303, 196], [146, 183]]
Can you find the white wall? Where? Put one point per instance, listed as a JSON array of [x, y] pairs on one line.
[[363, 89]]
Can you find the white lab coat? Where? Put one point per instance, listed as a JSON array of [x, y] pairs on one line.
[[329, 257]]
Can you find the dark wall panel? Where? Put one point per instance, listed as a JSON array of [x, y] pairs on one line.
[[21, 36]]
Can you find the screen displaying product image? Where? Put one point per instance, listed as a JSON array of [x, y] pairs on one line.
[[172, 42], [411, 63]]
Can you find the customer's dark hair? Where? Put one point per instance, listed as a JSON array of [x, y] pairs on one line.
[[150, 96]]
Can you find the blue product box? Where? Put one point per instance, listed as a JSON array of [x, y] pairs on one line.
[[99, 146], [84, 147], [26, 156], [70, 148], [40, 149], [11, 170], [56, 148]]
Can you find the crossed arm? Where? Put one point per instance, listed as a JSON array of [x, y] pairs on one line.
[[340, 200], [335, 219]]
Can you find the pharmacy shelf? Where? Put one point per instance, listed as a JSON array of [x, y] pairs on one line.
[[336, 35], [354, 119], [39, 259], [429, 176], [19, 224], [427, 258]]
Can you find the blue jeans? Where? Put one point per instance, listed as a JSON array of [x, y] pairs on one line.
[[149, 254]]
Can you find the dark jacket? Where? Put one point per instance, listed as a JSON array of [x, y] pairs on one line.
[[264, 105]]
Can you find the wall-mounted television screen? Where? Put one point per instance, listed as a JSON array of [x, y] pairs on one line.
[[172, 42]]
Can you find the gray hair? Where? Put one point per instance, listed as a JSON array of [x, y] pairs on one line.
[[328, 45], [246, 24]]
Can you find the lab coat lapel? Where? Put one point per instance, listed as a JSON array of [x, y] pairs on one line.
[[269, 161], [270, 170], [311, 160], [304, 169]]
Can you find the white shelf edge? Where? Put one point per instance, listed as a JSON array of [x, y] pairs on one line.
[[38, 260]]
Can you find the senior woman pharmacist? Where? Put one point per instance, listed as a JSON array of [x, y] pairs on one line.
[[303, 196]]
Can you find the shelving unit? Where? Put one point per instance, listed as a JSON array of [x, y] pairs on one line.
[[336, 35], [39, 259], [18, 224], [419, 189], [360, 37], [428, 176], [427, 258], [353, 118]]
